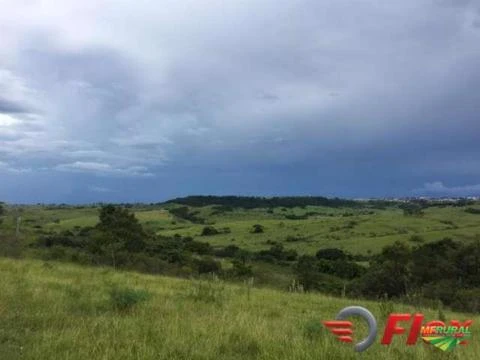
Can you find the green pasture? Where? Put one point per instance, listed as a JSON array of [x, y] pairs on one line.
[[62, 311], [359, 231]]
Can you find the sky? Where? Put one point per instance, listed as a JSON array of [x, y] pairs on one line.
[[143, 101]]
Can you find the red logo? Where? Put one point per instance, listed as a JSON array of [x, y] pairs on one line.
[[343, 329], [437, 333]]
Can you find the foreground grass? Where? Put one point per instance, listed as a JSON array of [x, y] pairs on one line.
[[61, 311]]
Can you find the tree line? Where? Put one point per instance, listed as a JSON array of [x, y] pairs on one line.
[[250, 202]]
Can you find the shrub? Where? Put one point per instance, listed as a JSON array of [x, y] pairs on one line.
[[208, 265], [124, 299], [276, 252], [240, 269], [209, 231], [228, 251], [257, 229], [331, 254], [340, 268], [202, 248], [416, 239]]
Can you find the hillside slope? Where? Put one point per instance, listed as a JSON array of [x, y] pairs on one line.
[[62, 311]]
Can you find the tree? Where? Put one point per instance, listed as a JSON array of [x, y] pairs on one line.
[[119, 230], [412, 209], [306, 272], [468, 264], [432, 259], [240, 269], [389, 273]]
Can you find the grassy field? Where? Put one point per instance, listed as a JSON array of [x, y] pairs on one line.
[[361, 232], [59, 311]]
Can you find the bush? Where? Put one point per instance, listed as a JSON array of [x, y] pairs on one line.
[[208, 265], [202, 248], [331, 254], [240, 269], [416, 239], [228, 251], [209, 231], [124, 299], [276, 252], [257, 229], [340, 268]]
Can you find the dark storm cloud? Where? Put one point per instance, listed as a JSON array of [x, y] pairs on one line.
[[327, 97], [101, 75]]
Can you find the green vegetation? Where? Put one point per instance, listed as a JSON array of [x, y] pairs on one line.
[[52, 310], [361, 230], [419, 253]]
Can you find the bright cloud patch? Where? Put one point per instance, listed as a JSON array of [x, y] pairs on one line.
[[438, 188], [104, 169]]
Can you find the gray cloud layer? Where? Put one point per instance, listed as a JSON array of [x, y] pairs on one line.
[[143, 89]]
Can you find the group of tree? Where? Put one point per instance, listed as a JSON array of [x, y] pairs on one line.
[[445, 270], [413, 209], [119, 240], [184, 213], [250, 202]]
